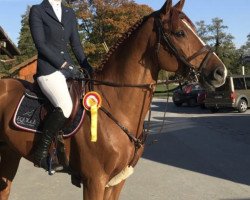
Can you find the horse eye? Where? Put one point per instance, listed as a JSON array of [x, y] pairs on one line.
[[180, 33]]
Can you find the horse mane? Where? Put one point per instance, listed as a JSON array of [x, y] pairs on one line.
[[124, 36], [132, 29]]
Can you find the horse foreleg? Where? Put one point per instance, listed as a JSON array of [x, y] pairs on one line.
[[113, 193], [94, 189], [8, 168]]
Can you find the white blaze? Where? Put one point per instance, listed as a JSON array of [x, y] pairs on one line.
[[202, 42]]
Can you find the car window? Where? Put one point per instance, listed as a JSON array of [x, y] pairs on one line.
[[196, 87], [248, 82], [239, 83], [187, 88]]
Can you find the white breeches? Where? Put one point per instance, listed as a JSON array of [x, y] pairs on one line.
[[55, 88]]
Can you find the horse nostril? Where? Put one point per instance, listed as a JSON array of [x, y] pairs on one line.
[[219, 73]]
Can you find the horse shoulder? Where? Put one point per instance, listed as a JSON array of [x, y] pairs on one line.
[[12, 85]]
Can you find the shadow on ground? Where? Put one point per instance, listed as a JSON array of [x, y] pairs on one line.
[[217, 146]]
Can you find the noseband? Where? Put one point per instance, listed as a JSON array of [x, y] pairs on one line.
[[194, 72]]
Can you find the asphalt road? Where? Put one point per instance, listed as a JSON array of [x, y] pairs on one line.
[[197, 156]]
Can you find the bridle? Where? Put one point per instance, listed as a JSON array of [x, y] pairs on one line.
[[194, 72]]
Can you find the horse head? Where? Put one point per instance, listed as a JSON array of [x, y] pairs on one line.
[[179, 48]]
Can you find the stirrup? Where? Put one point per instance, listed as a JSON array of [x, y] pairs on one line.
[[49, 165], [53, 167]]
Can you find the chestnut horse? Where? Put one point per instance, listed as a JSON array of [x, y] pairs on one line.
[[166, 39]]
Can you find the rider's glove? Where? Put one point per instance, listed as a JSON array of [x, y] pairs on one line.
[[71, 71]]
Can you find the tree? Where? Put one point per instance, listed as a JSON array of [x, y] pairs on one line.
[[25, 43], [217, 34], [245, 52], [246, 47], [221, 42], [202, 30], [104, 22], [5, 67]]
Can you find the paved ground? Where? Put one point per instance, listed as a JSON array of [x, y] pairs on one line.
[[198, 156]]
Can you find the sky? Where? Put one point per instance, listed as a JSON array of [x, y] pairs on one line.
[[235, 14]]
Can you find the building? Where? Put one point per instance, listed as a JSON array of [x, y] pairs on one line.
[[26, 69], [7, 47]]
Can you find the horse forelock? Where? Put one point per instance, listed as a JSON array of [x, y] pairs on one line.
[[122, 39], [174, 19], [176, 16], [185, 17]]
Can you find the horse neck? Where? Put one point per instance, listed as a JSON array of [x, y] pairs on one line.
[[131, 63]]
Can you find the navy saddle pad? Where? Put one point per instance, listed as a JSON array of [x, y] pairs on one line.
[[32, 109]]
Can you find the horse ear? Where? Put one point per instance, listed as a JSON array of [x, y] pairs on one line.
[[166, 7], [179, 5]]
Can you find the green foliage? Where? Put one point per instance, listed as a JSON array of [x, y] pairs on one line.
[[202, 30], [25, 43], [5, 67], [106, 21], [222, 43], [245, 51]]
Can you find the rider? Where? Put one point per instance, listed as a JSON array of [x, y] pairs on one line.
[[53, 27]]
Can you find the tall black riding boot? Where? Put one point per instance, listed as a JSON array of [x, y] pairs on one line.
[[53, 123]]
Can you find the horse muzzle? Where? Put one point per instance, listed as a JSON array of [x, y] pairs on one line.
[[214, 79]]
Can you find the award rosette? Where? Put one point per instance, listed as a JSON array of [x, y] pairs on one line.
[[92, 101]]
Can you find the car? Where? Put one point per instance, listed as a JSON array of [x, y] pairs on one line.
[[201, 98], [235, 93], [187, 94]]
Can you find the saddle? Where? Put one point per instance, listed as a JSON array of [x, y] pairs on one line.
[[34, 106]]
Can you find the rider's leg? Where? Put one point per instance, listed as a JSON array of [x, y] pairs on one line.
[[53, 123], [54, 86]]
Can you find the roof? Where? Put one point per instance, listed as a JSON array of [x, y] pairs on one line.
[[238, 75], [23, 64], [9, 48]]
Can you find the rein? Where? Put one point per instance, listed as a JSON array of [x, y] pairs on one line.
[[148, 86], [112, 84]]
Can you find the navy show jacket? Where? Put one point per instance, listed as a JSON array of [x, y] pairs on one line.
[[53, 38]]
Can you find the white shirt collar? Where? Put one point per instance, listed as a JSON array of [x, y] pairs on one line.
[[54, 3]]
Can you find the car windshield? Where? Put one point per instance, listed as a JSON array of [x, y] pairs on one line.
[[197, 87], [191, 87]]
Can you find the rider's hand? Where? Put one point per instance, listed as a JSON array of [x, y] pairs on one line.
[[71, 71]]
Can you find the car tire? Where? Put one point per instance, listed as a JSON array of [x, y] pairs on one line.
[[242, 106], [178, 104], [192, 102], [214, 109]]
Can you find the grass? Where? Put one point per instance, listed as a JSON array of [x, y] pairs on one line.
[[161, 90]]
